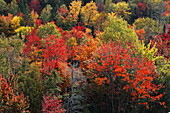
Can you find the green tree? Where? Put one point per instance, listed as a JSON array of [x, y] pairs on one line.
[[115, 28], [149, 25], [3, 6], [13, 8], [30, 83], [10, 58], [47, 29], [46, 13]]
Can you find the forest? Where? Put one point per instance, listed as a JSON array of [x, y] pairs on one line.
[[84, 56]]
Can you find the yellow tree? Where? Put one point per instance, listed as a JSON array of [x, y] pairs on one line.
[[88, 12], [121, 9], [74, 10]]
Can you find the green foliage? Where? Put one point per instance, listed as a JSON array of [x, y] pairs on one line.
[[13, 8], [10, 55], [30, 83], [3, 6], [121, 9], [51, 83], [148, 51], [48, 29], [46, 13], [115, 28], [149, 25]]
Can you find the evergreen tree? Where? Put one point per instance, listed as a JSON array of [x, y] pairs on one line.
[[3, 6], [46, 13], [13, 8]]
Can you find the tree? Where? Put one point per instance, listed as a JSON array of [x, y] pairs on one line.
[[31, 84], [121, 9], [13, 8], [145, 8], [48, 29], [34, 15], [46, 13], [5, 25], [162, 44], [88, 12], [127, 78], [74, 12], [10, 102], [149, 25], [52, 104], [115, 28], [67, 18], [10, 58], [3, 6], [35, 5]]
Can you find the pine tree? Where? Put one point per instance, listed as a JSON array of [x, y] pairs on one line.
[[46, 13], [3, 6], [13, 8]]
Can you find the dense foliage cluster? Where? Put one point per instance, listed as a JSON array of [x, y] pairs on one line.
[[84, 56]]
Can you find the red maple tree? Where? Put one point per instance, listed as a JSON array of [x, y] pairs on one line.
[[52, 104], [124, 72]]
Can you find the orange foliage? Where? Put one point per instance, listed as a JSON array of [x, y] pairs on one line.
[[111, 61], [5, 24], [140, 34], [167, 5]]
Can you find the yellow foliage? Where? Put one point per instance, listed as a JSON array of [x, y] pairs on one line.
[[72, 41], [23, 30], [121, 9], [88, 12], [15, 22], [75, 10], [148, 51]]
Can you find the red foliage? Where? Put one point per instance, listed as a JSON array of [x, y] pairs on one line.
[[54, 53], [35, 5], [163, 44], [165, 13], [141, 6], [79, 27], [52, 104], [78, 32], [51, 51], [9, 101], [113, 62], [63, 11], [20, 14], [32, 41]]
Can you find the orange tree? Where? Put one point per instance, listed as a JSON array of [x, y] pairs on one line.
[[127, 78]]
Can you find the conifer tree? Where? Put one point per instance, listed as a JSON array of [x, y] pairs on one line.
[[46, 13]]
